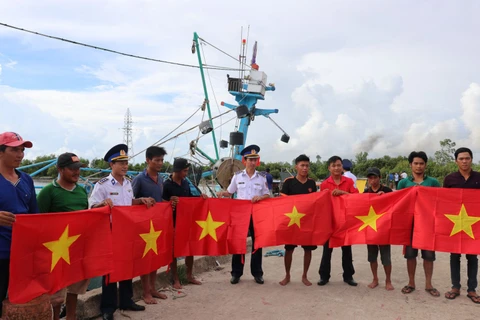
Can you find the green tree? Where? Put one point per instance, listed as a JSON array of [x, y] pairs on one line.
[[445, 154]]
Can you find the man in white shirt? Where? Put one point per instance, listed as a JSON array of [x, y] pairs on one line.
[[347, 167], [249, 184]]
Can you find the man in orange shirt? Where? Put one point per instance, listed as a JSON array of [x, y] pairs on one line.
[[338, 185]]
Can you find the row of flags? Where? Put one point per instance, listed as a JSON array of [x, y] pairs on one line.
[[51, 251]]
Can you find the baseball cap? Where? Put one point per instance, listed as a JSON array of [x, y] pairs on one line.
[[373, 171], [70, 160], [179, 164], [12, 139]]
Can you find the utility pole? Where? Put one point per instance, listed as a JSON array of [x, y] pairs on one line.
[[127, 132]]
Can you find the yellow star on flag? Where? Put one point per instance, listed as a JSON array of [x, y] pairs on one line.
[[209, 226], [369, 220], [59, 248], [462, 222], [295, 217], [150, 239]]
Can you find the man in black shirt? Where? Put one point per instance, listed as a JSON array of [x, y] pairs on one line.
[[465, 178], [373, 176], [175, 187], [300, 184]]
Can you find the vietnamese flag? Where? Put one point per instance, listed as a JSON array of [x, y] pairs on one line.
[[447, 220], [211, 227], [142, 239], [298, 219], [370, 218], [53, 250]]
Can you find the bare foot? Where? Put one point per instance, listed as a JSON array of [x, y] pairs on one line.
[[149, 299], [192, 280], [374, 284], [285, 281], [388, 286], [306, 282], [158, 295], [177, 285]]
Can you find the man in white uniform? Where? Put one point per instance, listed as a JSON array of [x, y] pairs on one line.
[[347, 167], [249, 184], [116, 190]]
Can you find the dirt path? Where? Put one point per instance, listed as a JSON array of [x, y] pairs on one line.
[[218, 299]]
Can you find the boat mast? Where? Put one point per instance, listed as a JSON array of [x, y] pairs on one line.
[[196, 45]]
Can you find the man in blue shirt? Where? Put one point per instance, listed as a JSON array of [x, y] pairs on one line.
[[17, 197], [149, 183], [269, 178]]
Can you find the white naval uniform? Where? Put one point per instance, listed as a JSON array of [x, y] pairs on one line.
[[246, 187], [108, 187], [350, 175]]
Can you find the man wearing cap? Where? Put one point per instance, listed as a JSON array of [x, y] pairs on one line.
[[149, 183], [373, 176], [116, 190], [175, 187], [17, 196], [347, 167], [64, 195], [337, 185], [249, 184], [299, 184]]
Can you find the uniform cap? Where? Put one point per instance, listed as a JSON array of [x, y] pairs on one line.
[[251, 151], [117, 153]]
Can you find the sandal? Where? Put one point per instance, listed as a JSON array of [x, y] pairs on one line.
[[434, 292], [475, 298], [408, 289], [452, 294]]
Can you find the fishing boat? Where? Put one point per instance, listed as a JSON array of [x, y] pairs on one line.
[[247, 88]]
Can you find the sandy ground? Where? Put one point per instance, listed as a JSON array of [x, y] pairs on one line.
[[218, 299]]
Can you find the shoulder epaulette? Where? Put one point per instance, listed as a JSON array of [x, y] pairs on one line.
[[262, 174], [103, 180], [128, 178], [238, 172]]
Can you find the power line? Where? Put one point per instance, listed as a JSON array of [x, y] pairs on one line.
[[117, 52]]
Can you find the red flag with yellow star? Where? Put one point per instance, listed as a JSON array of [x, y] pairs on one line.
[[142, 239], [211, 227], [370, 218], [447, 220], [53, 250], [299, 219]]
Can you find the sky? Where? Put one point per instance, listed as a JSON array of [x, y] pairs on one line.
[[383, 77]]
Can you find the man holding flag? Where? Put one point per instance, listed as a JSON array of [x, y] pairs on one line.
[[418, 164], [116, 190], [299, 184], [465, 178], [65, 195], [249, 184], [337, 185]]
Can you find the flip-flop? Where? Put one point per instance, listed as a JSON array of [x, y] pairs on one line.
[[473, 297], [433, 292], [408, 289], [452, 294]]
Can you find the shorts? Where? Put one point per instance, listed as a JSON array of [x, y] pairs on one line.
[[385, 255], [79, 287], [290, 247], [412, 253]]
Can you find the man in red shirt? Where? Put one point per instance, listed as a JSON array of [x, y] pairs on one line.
[[338, 185]]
